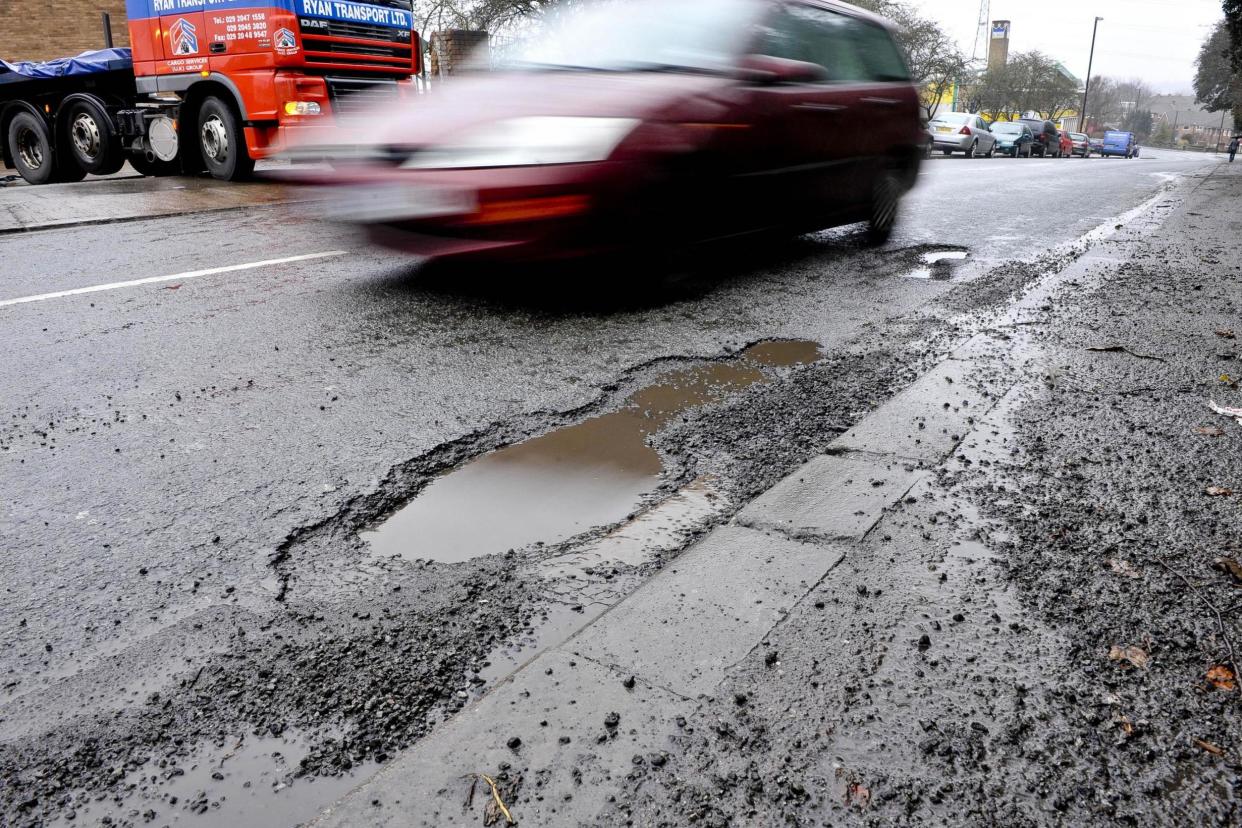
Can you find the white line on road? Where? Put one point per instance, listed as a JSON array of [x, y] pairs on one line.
[[192, 274]]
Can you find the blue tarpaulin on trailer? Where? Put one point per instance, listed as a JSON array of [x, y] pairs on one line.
[[87, 63]]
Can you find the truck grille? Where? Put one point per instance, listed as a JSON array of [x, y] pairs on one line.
[[341, 28], [351, 96], [385, 49]]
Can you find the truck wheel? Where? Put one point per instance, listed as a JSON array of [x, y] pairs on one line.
[[155, 166], [222, 142], [30, 147], [92, 141]]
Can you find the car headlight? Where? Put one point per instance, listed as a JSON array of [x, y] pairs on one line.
[[526, 142]]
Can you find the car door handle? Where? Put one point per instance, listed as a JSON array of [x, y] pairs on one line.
[[882, 101], [217, 48], [819, 107]]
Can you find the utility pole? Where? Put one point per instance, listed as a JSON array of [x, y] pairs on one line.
[[1082, 115], [1221, 136]]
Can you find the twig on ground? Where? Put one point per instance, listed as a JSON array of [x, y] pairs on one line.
[[1220, 620], [1124, 350]]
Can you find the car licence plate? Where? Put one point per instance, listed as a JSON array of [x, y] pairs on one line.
[[396, 202], [944, 129]]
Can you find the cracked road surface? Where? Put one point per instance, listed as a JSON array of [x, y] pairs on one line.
[[189, 463]]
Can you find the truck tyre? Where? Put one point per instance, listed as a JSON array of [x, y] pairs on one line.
[[144, 166], [30, 147], [68, 170], [91, 140], [222, 142]]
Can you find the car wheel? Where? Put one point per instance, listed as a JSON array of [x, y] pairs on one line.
[[991, 149], [970, 153], [885, 200]]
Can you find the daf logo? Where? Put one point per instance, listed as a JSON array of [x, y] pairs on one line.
[[311, 23]]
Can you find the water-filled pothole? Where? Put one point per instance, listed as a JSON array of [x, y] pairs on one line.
[[937, 264], [553, 487]]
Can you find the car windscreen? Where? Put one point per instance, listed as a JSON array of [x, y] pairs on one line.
[[705, 35], [1007, 128]]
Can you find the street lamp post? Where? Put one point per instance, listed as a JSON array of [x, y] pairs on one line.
[[1082, 115]]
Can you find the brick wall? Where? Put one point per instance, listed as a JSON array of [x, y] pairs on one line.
[[45, 29], [457, 50]]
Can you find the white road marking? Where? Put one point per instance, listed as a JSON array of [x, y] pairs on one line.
[[176, 277]]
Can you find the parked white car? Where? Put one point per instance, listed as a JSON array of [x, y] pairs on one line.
[[962, 132]]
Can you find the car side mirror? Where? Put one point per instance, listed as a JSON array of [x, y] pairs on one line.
[[768, 70]]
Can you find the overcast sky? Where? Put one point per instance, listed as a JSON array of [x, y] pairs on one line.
[[1156, 40]]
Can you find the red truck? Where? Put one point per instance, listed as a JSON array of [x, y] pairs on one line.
[[209, 85]]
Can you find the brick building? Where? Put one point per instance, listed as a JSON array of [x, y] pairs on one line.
[[44, 29]]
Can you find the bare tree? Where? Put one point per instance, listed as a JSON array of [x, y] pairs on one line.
[[1029, 82], [1135, 95], [1104, 101]]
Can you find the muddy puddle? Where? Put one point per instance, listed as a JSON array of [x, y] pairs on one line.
[[561, 484], [246, 782]]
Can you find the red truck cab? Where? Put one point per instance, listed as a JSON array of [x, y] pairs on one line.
[[208, 85], [278, 66]]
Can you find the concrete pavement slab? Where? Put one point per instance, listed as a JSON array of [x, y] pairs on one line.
[[570, 751], [833, 496], [925, 421], [694, 620]]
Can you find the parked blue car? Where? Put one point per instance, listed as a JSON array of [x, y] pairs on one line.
[[1120, 144]]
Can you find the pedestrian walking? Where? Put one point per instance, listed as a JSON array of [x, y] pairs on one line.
[[1233, 148]]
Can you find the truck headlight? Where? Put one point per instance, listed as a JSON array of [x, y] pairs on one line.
[[301, 108], [527, 142]]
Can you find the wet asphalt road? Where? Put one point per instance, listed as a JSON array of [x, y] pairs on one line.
[[159, 444]]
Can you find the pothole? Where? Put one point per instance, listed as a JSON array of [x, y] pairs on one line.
[[573, 479], [937, 265]]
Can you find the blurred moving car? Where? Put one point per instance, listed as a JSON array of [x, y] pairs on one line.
[[1047, 138], [1081, 144], [1120, 144], [642, 124], [1065, 145], [1013, 139], [962, 132]]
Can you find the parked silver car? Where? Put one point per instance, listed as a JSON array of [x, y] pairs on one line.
[[961, 132]]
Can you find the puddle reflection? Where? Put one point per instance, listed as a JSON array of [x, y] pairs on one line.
[[563, 483]]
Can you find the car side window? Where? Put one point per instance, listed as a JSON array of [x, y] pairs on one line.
[[788, 36], [849, 49]]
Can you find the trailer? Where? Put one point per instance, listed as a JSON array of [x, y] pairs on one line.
[[210, 85]]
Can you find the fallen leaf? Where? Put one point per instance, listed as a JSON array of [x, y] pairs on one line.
[[1135, 656], [1215, 750], [1225, 333], [1124, 568], [1222, 678], [1126, 725], [171, 287], [1210, 431], [1219, 491], [1230, 567], [857, 794], [1228, 380]]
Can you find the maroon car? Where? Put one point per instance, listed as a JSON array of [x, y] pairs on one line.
[[633, 124]]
